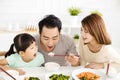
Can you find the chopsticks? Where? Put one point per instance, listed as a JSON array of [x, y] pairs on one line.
[[63, 55], [107, 70], [59, 55], [7, 73]]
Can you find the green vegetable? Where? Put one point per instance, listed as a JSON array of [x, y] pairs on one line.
[[34, 78], [83, 78], [59, 77]]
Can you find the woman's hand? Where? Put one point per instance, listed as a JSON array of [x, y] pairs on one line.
[[6, 67], [95, 65], [74, 60]]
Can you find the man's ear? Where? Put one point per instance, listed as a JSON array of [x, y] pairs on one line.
[[21, 53]]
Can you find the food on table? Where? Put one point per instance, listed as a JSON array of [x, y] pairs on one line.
[[31, 78], [51, 54], [88, 76], [59, 77], [52, 66]]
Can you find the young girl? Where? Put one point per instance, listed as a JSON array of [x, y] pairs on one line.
[[97, 50], [26, 54]]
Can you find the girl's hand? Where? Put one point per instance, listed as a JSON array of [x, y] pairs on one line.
[[95, 65], [6, 67], [21, 72], [74, 60]]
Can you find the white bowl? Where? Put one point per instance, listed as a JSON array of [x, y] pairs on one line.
[[52, 66]]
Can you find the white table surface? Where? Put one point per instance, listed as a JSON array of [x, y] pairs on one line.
[[41, 72]]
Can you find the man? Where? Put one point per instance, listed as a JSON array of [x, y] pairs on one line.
[[50, 39]]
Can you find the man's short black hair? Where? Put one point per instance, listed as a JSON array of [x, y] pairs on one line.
[[50, 21]]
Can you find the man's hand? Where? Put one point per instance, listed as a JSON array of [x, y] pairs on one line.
[[74, 60]]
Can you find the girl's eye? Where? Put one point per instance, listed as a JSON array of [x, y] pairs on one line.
[[32, 47]]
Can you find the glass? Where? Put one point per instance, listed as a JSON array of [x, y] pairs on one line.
[[110, 75]]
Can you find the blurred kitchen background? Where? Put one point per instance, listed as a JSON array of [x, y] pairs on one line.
[[17, 15]]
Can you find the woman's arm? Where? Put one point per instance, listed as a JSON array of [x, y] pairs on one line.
[[3, 62], [95, 65], [2, 53]]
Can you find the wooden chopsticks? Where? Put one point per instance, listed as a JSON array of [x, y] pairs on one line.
[[7, 73], [63, 55], [107, 70]]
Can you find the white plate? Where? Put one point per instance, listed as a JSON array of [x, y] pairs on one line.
[[27, 76], [49, 74], [78, 71]]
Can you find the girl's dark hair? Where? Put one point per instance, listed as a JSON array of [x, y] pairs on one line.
[[50, 21], [21, 42]]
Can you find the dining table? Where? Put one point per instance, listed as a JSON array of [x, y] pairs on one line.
[[42, 73]]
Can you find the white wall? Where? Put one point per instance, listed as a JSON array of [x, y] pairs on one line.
[[31, 11], [26, 12]]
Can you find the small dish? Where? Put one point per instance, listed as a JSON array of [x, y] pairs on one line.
[[78, 71]]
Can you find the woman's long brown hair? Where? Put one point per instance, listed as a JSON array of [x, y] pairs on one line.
[[95, 25]]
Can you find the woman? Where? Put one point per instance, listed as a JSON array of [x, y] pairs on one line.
[[97, 50]]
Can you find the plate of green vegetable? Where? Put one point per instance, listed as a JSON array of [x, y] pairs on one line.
[[57, 76], [31, 78]]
